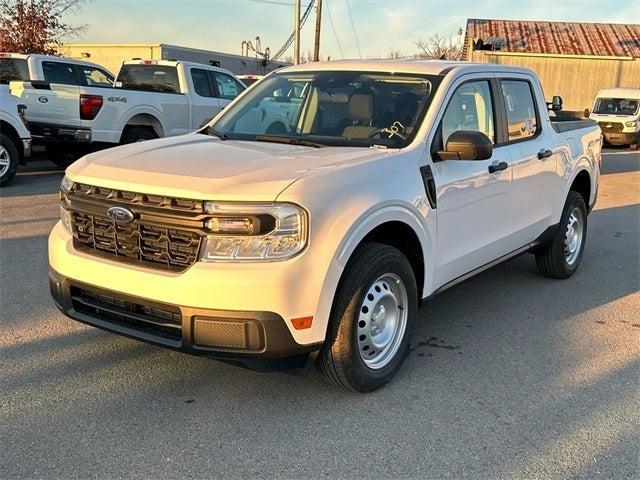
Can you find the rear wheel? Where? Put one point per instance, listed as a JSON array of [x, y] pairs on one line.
[[561, 256], [9, 159], [137, 134], [372, 320]]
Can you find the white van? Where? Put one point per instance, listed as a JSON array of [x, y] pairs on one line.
[[617, 111]]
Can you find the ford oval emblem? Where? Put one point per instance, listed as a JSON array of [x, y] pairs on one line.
[[121, 215], [43, 99]]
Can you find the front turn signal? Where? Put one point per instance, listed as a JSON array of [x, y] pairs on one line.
[[302, 323]]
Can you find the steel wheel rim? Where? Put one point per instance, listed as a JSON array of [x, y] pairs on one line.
[[573, 236], [382, 321], [5, 161]]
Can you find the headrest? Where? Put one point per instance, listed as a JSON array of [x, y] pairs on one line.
[[361, 104]]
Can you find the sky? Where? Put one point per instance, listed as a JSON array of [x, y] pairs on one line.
[[378, 27]]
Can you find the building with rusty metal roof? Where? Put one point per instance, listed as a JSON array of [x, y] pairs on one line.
[[573, 60]]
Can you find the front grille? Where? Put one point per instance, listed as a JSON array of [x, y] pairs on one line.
[[608, 127], [90, 192], [161, 321], [166, 232], [151, 245]]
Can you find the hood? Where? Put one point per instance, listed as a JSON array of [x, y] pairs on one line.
[[204, 167], [607, 117]]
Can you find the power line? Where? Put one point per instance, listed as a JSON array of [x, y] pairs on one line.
[[353, 26], [289, 41], [275, 2], [335, 33]]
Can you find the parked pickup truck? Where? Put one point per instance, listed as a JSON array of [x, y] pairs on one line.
[[151, 99], [617, 111], [15, 140], [394, 181]]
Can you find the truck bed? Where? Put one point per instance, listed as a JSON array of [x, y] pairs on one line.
[[567, 124]]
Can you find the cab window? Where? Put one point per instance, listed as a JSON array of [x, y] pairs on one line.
[[95, 77], [201, 82], [522, 121], [470, 109], [59, 72], [228, 88]]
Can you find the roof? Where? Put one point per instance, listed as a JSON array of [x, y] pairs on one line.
[[428, 67], [619, 93], [560, 38], [174, 63]]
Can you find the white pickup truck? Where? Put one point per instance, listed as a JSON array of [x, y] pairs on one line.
[[15, 140], [392, 182], [149, 99]]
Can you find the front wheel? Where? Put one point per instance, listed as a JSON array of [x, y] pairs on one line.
[[372, 320], [9, 159], [561, 256]]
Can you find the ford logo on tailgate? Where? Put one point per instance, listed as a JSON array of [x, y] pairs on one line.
[[121, 215]]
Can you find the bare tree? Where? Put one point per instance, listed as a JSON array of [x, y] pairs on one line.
[[394, 54], [35, 26], [441, 48]]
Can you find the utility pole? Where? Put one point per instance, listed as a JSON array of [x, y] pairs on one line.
[[296, 40], [316, 45]]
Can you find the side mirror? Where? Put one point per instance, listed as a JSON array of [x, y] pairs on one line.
[[556, 103], [586, 113], [467, 145]]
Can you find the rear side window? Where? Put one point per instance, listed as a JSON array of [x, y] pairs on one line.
[[200, 81], [228, 87], [522, 118], [149, 78], [96, 77], [59, 72], [13, 69]]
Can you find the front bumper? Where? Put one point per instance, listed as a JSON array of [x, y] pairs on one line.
[[621, 138], [300, 287], [256, 340], [47, 132]]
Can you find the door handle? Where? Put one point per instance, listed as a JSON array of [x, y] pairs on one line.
[[497, 167], [544, 153]]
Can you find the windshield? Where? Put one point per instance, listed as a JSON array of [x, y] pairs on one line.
[[13, 69], [616, 106], [331, 108]]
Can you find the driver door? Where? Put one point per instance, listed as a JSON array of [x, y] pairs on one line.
[[472, 199]]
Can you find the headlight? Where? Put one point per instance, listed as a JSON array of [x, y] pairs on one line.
[[632, 123], [65, 216], [254, 232], [66, 184]]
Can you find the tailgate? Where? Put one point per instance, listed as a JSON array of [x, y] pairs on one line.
[[49, 102]]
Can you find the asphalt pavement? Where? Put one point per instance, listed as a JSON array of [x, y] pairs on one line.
[[511, 376]]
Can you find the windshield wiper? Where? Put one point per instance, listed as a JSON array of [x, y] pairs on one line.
[[288, 141], [220, 135]]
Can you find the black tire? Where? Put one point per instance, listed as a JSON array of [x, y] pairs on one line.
[[10, 154], [340, 360], [137, 134], [61, 155], [551, 260]]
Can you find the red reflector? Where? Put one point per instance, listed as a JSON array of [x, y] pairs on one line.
[[302, 323], [90, 105], [149, 62]]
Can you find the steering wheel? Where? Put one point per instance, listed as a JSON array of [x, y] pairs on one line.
[[393, 130]]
